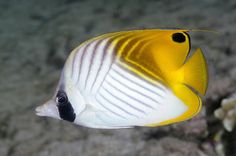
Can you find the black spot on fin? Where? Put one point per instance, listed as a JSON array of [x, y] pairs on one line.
[[178, 37]]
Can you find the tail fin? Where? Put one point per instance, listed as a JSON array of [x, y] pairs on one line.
[[195, 72], [192, 74]]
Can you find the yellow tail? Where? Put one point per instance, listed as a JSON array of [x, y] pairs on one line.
[[195, 72], [193, 75]]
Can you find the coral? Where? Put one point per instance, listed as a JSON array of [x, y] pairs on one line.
[[227, 113]]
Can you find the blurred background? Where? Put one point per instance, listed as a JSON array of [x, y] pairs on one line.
[[37, 36]]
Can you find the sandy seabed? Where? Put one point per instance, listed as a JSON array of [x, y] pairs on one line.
[[37, 36]]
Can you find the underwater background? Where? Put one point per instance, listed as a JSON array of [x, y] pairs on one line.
[[36, 36]]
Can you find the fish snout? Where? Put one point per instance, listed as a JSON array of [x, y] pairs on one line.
[[48, 109]]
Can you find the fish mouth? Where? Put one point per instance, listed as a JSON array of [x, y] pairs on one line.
[[47, 109], [39, 110]]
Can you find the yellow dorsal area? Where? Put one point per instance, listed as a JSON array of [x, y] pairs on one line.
[[152, 51], [167, 53], [161, 55]]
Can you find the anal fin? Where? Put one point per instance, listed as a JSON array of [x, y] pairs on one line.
[[192, 100]]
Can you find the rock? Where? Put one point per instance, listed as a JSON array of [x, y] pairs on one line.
[[227, 113]]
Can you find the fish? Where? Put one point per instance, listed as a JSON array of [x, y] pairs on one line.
[[133, 78]]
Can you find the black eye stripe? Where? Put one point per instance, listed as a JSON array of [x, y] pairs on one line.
[[178, 37], [61, 97], [61, 100], [65, 108]]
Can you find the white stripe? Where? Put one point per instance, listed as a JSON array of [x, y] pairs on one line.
[[140, 81], [105, 67], [132, 93], [76, 64], [132, 80], [108, 109], [97, 61], [115, 98], [114, 108], [118, 93], [85, 64]]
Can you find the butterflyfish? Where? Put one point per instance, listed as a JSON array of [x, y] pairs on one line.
[[130, 78]]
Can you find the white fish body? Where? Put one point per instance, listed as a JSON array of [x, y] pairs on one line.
[[104, 93]]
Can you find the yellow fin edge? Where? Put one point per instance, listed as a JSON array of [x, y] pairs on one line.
[[195, 75], [192, 100]]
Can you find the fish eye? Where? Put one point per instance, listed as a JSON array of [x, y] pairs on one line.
[[61, 98], [178, 37], [64, 106]]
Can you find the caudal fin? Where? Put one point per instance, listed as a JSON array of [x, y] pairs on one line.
[[195, 72], [194, 75]]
